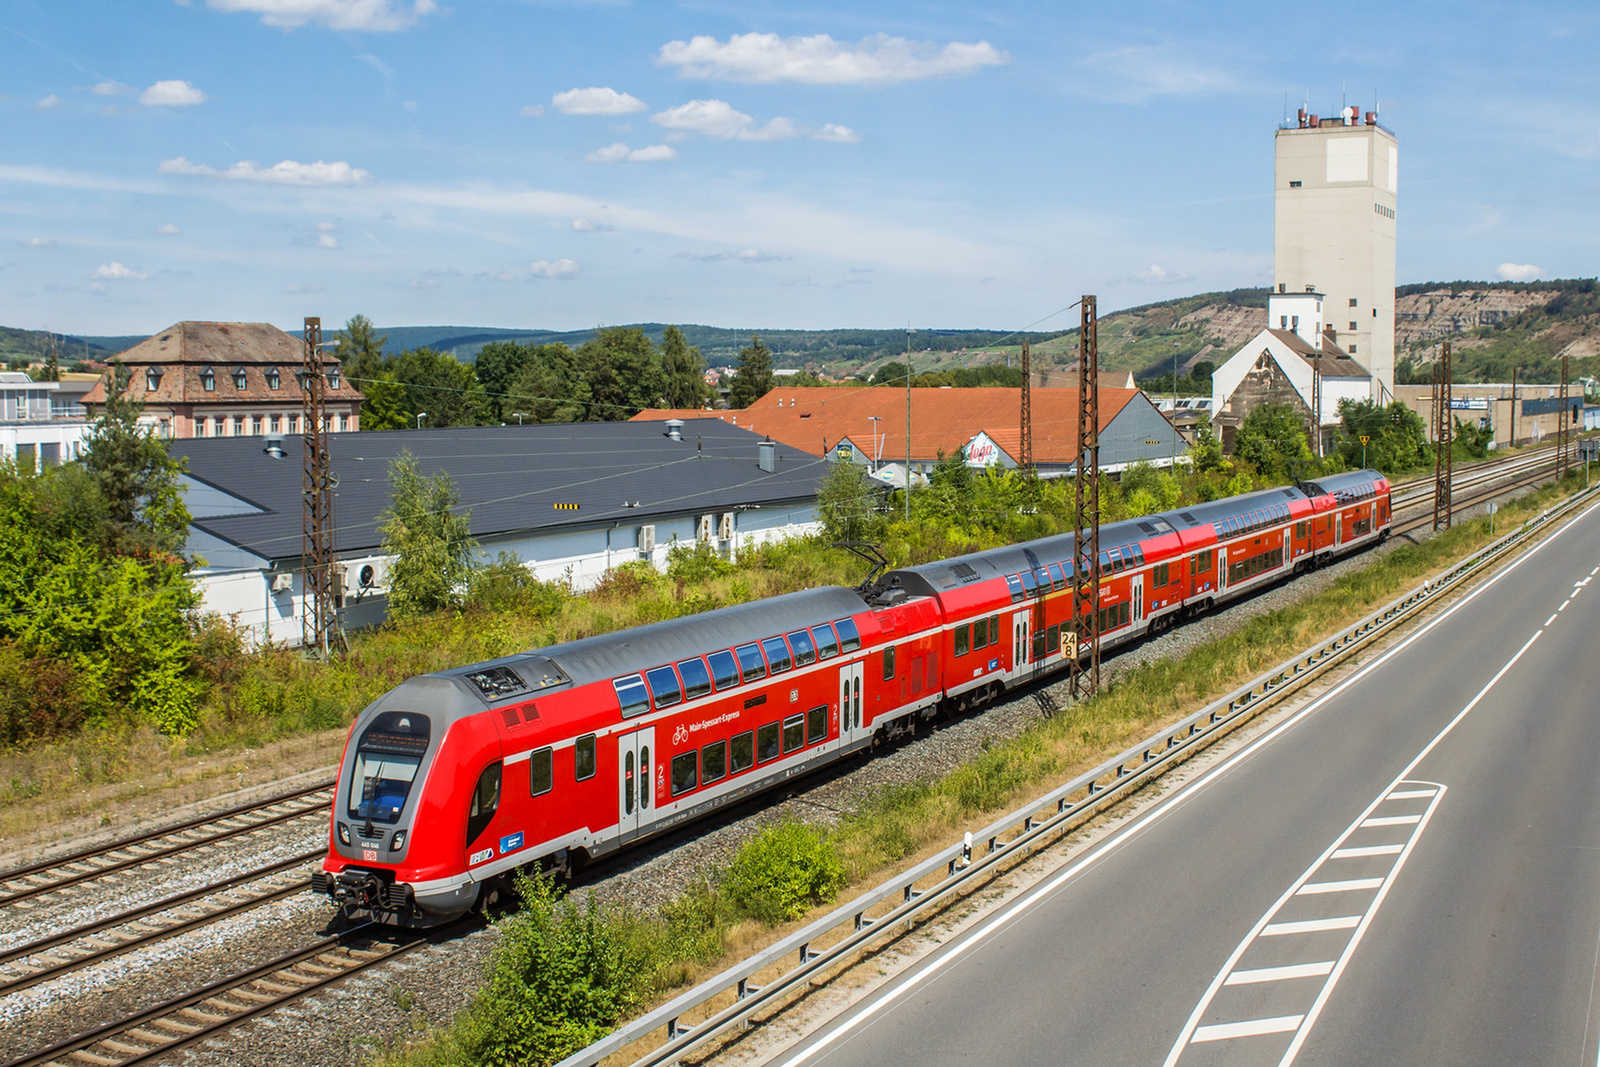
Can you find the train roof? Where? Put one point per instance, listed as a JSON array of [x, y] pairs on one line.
[[1346, 485]]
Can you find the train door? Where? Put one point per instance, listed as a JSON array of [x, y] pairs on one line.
[[1138, 598], [635, 774], [1019, 640], [1222, 569], [851, 727], [1338, 528]]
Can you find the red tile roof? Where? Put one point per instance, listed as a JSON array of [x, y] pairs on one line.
[[942, 420]]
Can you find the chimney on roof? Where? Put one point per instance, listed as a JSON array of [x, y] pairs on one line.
[[675, 429], [767, 455]]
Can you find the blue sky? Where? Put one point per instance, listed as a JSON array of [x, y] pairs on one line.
[[806, 165]]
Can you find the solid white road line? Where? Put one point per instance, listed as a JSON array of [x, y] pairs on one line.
[[1279, 974], [1367, 850], [1283, 1024], [1391, 820], [1178, 798], [1410, 794], [1347, 885], [1310, 926]]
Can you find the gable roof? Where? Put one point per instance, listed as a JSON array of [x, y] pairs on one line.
[[511, 477], [182, 351], [1330, 361], [942, 420]]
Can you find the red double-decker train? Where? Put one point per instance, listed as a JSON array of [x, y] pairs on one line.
[[451, 781]]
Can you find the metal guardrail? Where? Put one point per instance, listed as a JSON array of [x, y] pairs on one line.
[[732, 997]]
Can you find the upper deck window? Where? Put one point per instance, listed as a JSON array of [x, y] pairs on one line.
[[751, 663], [724, 670], [696, 679], [849, 636], [664, 686], [632, 695], [777, 654], [804, 651], [827, 644]]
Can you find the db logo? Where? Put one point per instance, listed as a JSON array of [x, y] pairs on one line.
[[680, 735], [369, 856]]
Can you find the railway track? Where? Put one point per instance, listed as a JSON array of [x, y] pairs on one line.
[[194, 1016], [84, 946], [20, 886], [1418, 492]]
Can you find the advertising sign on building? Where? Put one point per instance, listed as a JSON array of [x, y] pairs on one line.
[[983, 452]]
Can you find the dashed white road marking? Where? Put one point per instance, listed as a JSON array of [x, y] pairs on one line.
[[1311, 926], [1390, 820], [1283, 1024], [1411, 794], [1367, 850], [1550, 620], [1345, 885], [1594, 572], [1280, 974], [1564, 604]]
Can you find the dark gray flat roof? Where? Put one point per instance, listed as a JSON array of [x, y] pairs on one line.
[[511, 477]]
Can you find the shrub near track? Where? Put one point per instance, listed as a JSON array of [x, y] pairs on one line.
[[789, 862]]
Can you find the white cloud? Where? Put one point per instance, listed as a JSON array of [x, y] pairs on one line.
[[48, 102], [597, 101], [111, 89], [582, 225], [98, 289], [169, 229], [718, 120], [39, 242], [532, 111], [744, 255], [171, 94], [297, 290], [1519, 272], [375, 15], [1158, 275], [616, 153], [764, 58], [327, 240], [326, 227], [287, 172], [1135, 73], [423, 283], [561, 269], [118, 271]]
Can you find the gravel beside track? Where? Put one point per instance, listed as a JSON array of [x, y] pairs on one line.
[[393, 1003]]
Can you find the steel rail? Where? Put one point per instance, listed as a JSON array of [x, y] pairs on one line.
[[99, 953], [1036, 825], [153, 855]]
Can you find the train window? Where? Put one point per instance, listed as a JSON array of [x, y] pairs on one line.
[[777, 654], [1162, 574], [794, 733], [1138, 555], [804, 651], [1057, 579], [685, 772], [963, 638], [888, 662], [583, 757], [849, 636], [1117, 562], [994, 629], [714, 762], [1299, 531], [696, 679], [767, 742], [724, 670], [751, 663], [485, 801], [827, 644], [1014, 584], [817, 724], [744, 751], [632, 695], [980, 634], [1052, 641], [1203, 563], [664, 686], [541, 772]]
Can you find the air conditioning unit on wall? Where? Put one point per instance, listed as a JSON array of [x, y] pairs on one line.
[[725, 530], [647, 540], [282, 581], [368, 577], [702, 531]]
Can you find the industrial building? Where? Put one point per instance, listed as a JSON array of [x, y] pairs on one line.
[[1526, 414], [570, 500], [869, 426]]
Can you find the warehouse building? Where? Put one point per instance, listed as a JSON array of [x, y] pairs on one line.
[[571, 500]]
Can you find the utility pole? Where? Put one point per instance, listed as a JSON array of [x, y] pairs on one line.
[[1025, 453], [1444, 420], [908, 423], [316, 544], [1085, 678], [1513, 442], [1564, 438]]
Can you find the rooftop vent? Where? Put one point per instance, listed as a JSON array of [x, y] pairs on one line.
[[767, 456], [675, 429]]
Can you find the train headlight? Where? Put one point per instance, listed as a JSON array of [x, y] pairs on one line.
[[344, 834], [399, 841]]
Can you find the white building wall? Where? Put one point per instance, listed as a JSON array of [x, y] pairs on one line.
[[1228, 377], [41, 439]]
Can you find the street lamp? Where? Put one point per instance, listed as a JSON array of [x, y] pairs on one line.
[[420, 416]]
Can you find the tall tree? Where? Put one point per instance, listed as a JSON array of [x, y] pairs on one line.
[[360, 350], [546, 389], [1273, 438], [684, 369], [429, 537], [138, 481], [438, 384], [754, 377], [498, 363], [623, 372]]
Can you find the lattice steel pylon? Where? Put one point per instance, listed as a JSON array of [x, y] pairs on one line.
[[1564, 440], [1025, 452], [316, 543], [1445, 430], [1084, 681]]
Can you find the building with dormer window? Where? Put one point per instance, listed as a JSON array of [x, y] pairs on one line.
[[227, 379]]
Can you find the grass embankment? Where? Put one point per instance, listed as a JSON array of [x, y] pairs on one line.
[[602, 951]]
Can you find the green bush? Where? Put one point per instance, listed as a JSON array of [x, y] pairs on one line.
[[508, 585], [695, 563], [783, 870]]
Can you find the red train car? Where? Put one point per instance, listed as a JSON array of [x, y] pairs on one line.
[[452, 781]]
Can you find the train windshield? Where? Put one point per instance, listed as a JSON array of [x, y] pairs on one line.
[[387, 760]]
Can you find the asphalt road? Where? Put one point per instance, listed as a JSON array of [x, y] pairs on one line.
[[1405, 871]]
